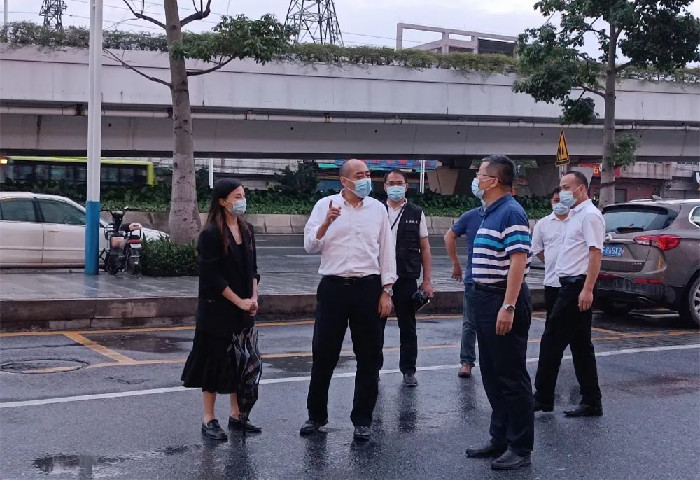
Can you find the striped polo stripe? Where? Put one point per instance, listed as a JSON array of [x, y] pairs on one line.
[[504, 231]]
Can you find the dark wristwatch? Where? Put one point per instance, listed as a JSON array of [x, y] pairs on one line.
[[508, 307]]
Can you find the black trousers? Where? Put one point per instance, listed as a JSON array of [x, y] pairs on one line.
[[503, 369], [404, 288], [339, 303], [567, 326], [550, 296]]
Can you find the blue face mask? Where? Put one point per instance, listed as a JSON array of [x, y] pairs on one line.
[[363, 187], [237, 208], [396, 192], [559, 208], [478, 193], [566, 197]]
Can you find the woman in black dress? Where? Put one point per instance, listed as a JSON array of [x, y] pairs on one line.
[[228, 301]]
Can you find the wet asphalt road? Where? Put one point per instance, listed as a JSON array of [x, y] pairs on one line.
[[121, 414]]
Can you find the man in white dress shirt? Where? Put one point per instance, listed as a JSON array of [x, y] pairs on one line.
[[569, 322], [351, 231], [546, 243]]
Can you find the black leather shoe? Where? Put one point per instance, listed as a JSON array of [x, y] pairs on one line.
[[584, 410], [309, 428], [361, 433], [213, 430], [543, 407], [510, 461], [236, 424], [489, 451], [409, 379]]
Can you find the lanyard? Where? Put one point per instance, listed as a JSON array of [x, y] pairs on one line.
[[398, 217]]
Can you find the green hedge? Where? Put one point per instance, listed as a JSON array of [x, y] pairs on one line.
[[162, 258], [29, 33], [157, 199]]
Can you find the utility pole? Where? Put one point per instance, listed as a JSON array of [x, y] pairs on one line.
[[315, 21], [94, 141], [52, 11], [4, 14]]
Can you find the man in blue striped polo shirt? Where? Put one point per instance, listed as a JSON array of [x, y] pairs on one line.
[[502, 312]]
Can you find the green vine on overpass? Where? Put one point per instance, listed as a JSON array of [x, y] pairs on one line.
[[21, 34]]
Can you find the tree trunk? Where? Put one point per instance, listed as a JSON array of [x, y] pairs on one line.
[[607, 174], [183, 221]]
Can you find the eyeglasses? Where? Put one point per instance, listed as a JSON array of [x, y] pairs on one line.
[[484, 175]]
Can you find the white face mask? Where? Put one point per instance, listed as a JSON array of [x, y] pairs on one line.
[[237, 208], [566, 197], [560, 209]]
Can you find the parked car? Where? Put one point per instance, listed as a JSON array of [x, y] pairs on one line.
[[45, 231], [651, 257]]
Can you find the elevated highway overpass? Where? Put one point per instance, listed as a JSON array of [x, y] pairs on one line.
[[296, 110]]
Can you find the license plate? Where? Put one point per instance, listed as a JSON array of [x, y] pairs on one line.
[[612, 251]]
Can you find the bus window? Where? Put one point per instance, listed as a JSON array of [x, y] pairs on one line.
[[41, 172], [110, 174], [81, 173], [60, 173], [126, 175], [141, 175], [22, 172]]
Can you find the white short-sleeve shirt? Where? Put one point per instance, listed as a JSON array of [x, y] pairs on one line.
[[395, 219], [547, 237], [585, 229]]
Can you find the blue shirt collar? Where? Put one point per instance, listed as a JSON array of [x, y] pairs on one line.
[[491, 208]]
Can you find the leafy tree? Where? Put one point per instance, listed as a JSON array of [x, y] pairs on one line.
[[649, 33], [233, 37], [302, 180]]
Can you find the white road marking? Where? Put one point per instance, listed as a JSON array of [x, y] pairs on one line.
[[272, 381]]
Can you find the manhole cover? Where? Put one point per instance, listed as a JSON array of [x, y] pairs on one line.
[[42, 365]]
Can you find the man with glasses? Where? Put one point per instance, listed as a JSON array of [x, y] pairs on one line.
[[502, 313], [410, 233]]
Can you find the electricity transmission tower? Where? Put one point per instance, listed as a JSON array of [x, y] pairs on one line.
[[315, 21], [52, 11]]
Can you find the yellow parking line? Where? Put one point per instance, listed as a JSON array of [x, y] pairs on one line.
[[52, 370], [101, 349], [303, 321], [29, 334], [124, 361]]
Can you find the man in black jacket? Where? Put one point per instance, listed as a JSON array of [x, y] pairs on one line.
[[410, 232]]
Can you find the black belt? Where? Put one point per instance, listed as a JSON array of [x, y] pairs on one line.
[[498, 287], [351, 280], [572, 279]]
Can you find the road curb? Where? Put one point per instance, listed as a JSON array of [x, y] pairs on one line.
[[85, 314]]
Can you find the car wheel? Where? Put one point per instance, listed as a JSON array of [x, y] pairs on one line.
[[615, 308], [690, 307]]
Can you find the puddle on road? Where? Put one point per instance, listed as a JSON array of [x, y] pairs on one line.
[[660, 385], [89, 466], [146, 343], [294, 366]]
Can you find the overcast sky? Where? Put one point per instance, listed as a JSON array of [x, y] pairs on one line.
[[361, 21]]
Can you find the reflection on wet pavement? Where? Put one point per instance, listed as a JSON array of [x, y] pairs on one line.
[[88, 466]]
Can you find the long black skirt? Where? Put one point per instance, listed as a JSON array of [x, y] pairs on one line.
[[208, 366]]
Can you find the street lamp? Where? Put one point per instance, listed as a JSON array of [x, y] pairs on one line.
[[94, 141]]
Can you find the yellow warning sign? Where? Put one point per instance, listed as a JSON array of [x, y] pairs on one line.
[[562, 151]]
